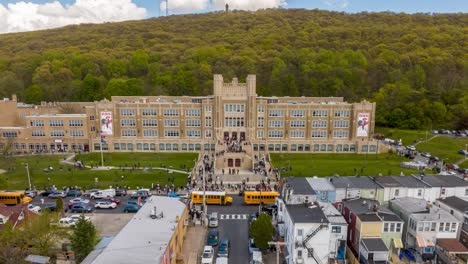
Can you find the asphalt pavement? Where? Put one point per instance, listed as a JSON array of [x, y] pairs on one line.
[[233, 224]]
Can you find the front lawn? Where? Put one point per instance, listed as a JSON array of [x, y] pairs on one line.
[[444, 147]]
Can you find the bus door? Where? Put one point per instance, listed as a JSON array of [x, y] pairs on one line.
[[222, 199], [18, 200]]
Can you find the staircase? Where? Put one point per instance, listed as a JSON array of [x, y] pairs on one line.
[[310, 250]]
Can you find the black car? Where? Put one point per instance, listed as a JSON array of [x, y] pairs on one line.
[[120, 192], [142, 194], [49, 207], [46, 193], [81, 208], [74, 193]]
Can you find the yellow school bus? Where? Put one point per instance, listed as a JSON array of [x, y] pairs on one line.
[[211, 198], [254, 197], [13, 198]]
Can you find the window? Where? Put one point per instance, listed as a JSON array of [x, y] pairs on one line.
[[276, 123], [208, 121], [57, 133], [320, 113], [9, 134], [116, 146], [261, 109], [299, 232], [397, 192], [275, 134], [275, 112], [75, 123], [297, 134], [340, 134], [91, 118], [127, 112], [56, 123], [341, 123], [207, 108], [260, 122], [297, 113], [193, 133], [171, 112], [342, 113], [398, 227], [128, 133], [171, 122], [319, 134], [193, 123], [38, 133], [149, 112], [433, 226], [260, 134], [420, 226], [233, 121], [336, 229], [207, 134], [77, 133], [453, 227], [385, 229], [297, 123], [442, 191], [36, 123], [234, 108], [441, 227], [193, 112], [149, 122], [419, 192], [128, 122], [323, 196], [319, 123], [150, 133], [171, 133], [299, 253]]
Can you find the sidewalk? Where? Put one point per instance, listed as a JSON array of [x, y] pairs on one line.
[[193, 244]]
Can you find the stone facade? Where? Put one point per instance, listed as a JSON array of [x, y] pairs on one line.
[[188, 123]]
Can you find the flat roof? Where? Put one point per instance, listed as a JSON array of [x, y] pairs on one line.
[[400, 181], [443, 180], [301, 213], [361, 205], [456, 203], [410, 204], [374, 245], [300, 186], [144, 240]]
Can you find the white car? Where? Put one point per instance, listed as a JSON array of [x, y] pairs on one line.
[[34, 208], [67, 222], [207, 255], [105, 205], [77, 217], [213, 220]]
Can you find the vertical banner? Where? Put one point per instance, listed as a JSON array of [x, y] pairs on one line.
[[363, 124], [106, 123]]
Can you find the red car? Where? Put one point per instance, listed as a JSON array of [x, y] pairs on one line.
[[114, 200]]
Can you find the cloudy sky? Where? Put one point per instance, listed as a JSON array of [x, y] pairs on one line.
[[28, 15]]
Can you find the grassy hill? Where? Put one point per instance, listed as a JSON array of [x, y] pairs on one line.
[[413, 66]]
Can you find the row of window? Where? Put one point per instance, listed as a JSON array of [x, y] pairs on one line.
[[302, 123], [234, 108], [56, 123], [9, 134], [301, 113], [307, 147], [301, 134], [233, 121], [167, 133], [42, 146], [58, 133], [152, 146], [426, 226], [392, 227]]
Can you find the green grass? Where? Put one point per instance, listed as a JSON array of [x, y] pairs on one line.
[[444, 147], [64, 175], [464, 164], [307, 165], [408, 137]]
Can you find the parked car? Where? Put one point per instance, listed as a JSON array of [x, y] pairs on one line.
[[111, 199], [56, 195], [105, 205], [74, 193], [34, 208], [30, 193], [411, 147], [213, 220], [426, 154], [66, 222], [89, 192], [77, 200], [223, 248], [252, 246], [133, 201], [131, 208], [120, 192], [207, 255], [103, 194], [463, 170], [463, 152], [49, 207], [213, 237], [81, 208], [142, 194], [46, 193], [77, 217]]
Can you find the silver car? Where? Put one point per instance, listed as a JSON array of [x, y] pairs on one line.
[[213, 220]]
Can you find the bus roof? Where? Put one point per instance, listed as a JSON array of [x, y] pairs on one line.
[[262, 192], [209, 193], [11, 192]]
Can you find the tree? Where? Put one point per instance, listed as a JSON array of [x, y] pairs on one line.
[[83, 239], [261, 230]]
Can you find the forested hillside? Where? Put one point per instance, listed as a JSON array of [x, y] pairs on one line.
[[414, 66]]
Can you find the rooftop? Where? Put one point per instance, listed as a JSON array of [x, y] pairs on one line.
[[435, 214], [456, 203], [369, 217], [332, 214], [410, 204], [300, 186], [301, 213], [443, 180], [320, 184], [361, 205], [374, 245], [360, 182], [452, 245], [144, 240], [400, 181]]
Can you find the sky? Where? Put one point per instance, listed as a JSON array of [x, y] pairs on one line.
[[29, 15]]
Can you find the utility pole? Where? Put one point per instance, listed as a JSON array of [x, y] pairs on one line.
[[29, 177], [277, 244], [205, 210]]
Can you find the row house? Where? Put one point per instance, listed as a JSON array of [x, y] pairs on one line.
[[356, 187], [459, 209], [443, 186], [403, 186], [297, 190], [424, 224]]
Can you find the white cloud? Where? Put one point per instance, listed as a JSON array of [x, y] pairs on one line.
[[27, 16], [199, 5], [337, 3]]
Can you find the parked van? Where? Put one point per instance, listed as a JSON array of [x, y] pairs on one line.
[[256, 257], [103, 194]]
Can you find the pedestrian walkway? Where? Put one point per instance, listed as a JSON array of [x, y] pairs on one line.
[[233, 217], [193, 244]]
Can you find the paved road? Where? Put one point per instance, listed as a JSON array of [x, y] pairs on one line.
[[234, 225]]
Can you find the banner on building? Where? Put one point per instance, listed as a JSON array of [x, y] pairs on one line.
[[363, 125], [106, 123]]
